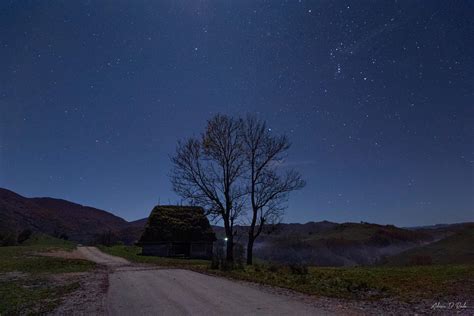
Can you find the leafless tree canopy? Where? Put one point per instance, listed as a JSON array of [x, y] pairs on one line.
[[207, 172], [267, 187], [232, 168]]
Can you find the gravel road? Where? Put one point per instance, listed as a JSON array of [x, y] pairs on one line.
[[94, 254], [139, 290]]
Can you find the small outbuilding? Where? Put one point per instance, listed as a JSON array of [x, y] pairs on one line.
[[178, 231]]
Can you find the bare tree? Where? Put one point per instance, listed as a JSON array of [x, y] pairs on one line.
[[268, 188], [207, 172]]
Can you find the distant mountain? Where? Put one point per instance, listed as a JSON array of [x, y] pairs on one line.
[[79, 222], [60, 218], [18, 212], [138, 223], [132, 232], [454, 226]]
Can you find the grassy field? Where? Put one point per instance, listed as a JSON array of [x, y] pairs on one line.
[[404, 283], [26, 285], [372, 283], [457, 248]]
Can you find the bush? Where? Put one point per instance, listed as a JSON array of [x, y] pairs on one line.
[[219, 261], [107, 238], [258, 267], [218, 255], [298, 268], [64, 236], [8, 239], [239, 256], [60, 235], [24, 236], [273, 267]]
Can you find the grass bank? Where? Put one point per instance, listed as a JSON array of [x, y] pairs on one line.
[[26, 278], [372, 283]]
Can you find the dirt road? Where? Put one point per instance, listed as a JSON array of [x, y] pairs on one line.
[[138, 290], [94, 254]]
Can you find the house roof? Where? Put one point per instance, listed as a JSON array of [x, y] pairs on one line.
[[169, 223]]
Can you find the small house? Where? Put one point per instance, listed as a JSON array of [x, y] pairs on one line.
[[178, 231]]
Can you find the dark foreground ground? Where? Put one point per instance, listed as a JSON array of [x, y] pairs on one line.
[[355, 290], [53, 277]]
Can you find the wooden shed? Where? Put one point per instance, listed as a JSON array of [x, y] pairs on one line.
[[177, 231]]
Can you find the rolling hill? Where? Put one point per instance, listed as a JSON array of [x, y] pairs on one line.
[[456, 248], [331, 244], [314, 243], [18, 212], [57, 217]]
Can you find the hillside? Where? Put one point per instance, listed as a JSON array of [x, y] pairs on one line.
[[79, 222], [18, 212], [442, 231], [132, 232], [457, 248], [314, 243], [331, 244], [56, 217]]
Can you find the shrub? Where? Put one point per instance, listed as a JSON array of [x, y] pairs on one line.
[[107, 238], [214, 264], [64, 236], [24, 236], [273, 267], [219, 259], [298, 268], [8, 239], [258, 267], [239, 256]]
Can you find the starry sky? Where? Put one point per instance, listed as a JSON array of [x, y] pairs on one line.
[[376, 97]]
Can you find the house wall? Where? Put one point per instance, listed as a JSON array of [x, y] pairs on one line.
[[192, 250], [161, 250]]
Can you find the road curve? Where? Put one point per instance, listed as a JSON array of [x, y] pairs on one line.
[[135, 290], [97, 256]]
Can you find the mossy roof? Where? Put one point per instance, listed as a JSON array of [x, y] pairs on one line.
[[169, 223]]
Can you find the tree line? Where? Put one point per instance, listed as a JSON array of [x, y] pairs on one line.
[[235, 171]]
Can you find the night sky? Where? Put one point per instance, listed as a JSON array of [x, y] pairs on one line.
[[376, 96]]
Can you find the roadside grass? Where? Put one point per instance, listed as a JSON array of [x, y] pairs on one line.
[[46, 242], [26, 284], [371, 283], [409, 284], [31, 296]]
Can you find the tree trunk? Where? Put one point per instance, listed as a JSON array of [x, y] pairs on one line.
[[250, 251], [229, 244]]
